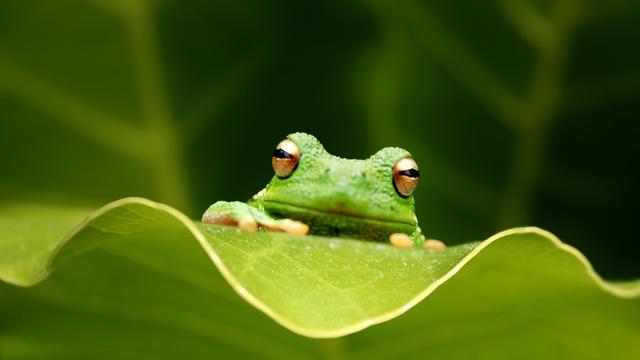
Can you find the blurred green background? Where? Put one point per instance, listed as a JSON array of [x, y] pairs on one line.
[[518, 112]]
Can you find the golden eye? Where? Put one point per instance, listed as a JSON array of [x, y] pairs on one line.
[[406, 176], [285, 158]]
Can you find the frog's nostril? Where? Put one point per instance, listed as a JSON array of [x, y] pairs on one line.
[[327, 170], [363, 174]]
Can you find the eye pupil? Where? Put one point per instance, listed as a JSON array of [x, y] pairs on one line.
[[282, 154], [413, 173]]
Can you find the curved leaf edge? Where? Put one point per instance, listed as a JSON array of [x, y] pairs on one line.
[[626, 290]]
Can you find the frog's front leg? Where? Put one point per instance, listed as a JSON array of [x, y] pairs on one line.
[[416, 239], [248, 218]]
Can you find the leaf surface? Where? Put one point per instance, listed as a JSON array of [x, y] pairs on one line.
[[146, 270]]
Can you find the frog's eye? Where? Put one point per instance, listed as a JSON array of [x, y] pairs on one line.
[[285, 158], [406, 176]]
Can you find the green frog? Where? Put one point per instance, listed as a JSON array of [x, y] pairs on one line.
[[315, 192]]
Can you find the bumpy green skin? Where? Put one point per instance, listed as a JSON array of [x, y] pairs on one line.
[[335, 196]]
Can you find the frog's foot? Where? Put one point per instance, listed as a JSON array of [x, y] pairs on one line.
[[286, 225], [434, 244], [230, 214], [402, 240], [249, 218]]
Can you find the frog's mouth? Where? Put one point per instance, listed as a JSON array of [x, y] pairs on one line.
[[338, 218]]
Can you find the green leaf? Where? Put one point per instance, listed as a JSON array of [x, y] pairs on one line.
[[147, 280]]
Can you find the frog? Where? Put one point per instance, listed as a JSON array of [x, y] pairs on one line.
[[315, 192]]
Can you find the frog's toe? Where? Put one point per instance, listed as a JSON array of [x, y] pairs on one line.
[[295, 227], [289, 226], [434, 244], [401, 240], [246, 222], [218, 218]]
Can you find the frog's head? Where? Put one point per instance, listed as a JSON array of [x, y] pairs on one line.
[[369, 198]]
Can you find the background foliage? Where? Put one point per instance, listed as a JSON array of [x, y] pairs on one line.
[[519, 113]]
